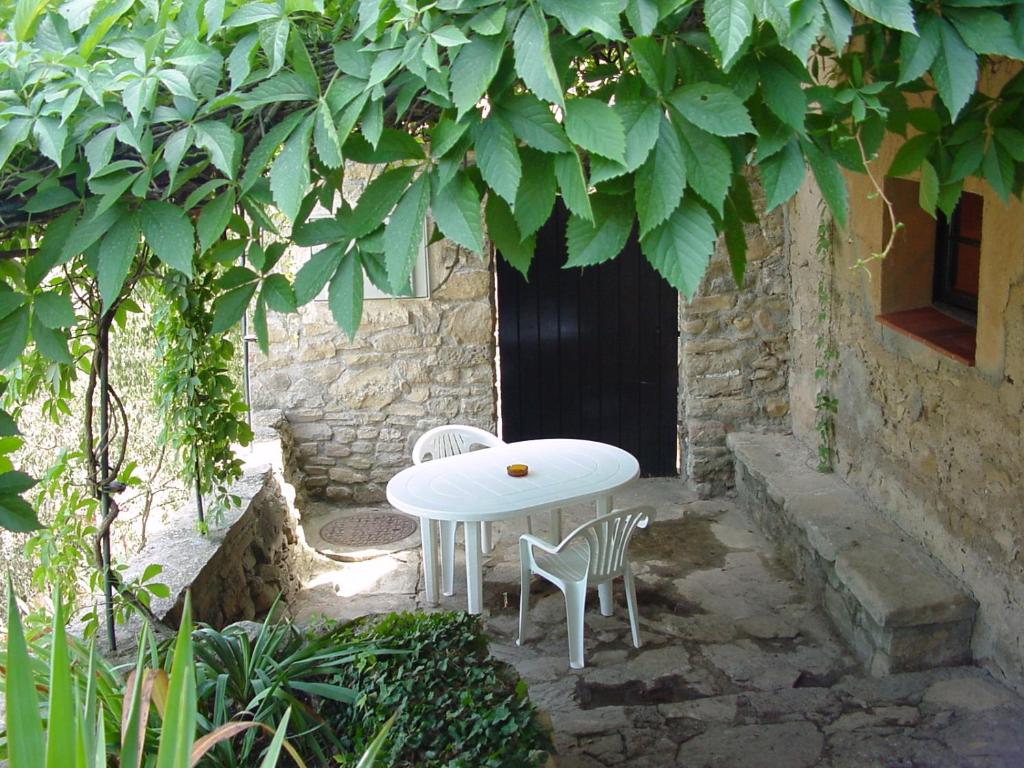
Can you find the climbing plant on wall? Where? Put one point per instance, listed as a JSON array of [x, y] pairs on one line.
[[164, 142]]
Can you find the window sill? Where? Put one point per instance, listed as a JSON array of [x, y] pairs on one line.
[[936, 330]]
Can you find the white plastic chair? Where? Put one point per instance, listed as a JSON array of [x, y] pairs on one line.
[[594, 553], [440, 443]]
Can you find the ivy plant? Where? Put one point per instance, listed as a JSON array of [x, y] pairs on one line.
[[140, 139]]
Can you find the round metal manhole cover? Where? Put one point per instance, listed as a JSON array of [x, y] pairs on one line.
[[368, 529]]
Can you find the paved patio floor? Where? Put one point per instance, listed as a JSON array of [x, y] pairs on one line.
[[738, 668]]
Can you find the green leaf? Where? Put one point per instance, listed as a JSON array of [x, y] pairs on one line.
[[289, 173], [643, 15], [782, 174], [660, 181], [955, 69], [54, 310], [17, 515], [325, 138], [533, 59], [573, 184], [681, 248], [735, 243], [473, 69], [314, 274], [51, 135], [713, 108], [229, 307], [223, 144], [24, 732], [910, 156], [449, 36], [456, 209], [50, 199], [504, 233], [213, 219], [642, 120], [26, 13], [532, 122], [278, 294], [377, 200], [830, 180], [497, 157], [13, 336], [169, 233], [839, 24], [266, 148], [917, 52], [446, 135], [596, 127], [403, 233], [117, 254], [784, 95], [179, 723], [489, 21], [892, 13], [535, 197], [596, 242], [601, 16], [345, 295], [928, 191], [709, 154], [649, 60], [259, 325], [730, 23], [998, 169], [51, 344], [967, 159]]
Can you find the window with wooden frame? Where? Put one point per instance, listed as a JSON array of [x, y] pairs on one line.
[[958, 258]]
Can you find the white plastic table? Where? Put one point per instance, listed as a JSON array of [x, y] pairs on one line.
[[475, 488]]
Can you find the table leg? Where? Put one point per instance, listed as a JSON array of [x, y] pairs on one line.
[[428, 538], [555, 525], [474, 569], [604, 591]]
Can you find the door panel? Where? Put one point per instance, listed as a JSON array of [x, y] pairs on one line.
[[590, 353]]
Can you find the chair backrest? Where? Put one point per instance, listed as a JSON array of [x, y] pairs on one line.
[[451, 440], [608, 537]]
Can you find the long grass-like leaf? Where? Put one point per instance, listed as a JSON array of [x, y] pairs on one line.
[[60, 725], [179, 728], [274, 750], [229, 730], [87, 726], [133, 724], [369, 758], [25, 745]]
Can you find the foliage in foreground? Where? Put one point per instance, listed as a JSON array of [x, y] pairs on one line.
[[454, 706], [92, 717]]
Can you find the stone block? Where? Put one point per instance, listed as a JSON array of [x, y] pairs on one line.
[[898, 608]]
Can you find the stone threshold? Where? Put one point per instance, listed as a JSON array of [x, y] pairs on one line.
[[899, 609]]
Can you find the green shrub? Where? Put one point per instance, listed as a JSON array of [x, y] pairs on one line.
[[455, 706]]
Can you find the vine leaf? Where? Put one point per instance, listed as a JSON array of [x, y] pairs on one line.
[[54, 310], [596, 127], [535, 197], [714, 108], [289, 173], [17, 515], [681, 247], [533, 60], [50, 343], [475, 66], [782, 174], [955, 69], [214, 218], [314, 274], [661, 180], [730, 23], [456, 209], [169, 233], [504, 232], [596, 242], [497, 157], [572, 182], [13, 336], [345, 294], [892, 13], [229, 307], [403, 233], [278, 294]]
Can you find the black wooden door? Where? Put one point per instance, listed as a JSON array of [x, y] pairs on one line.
[[589, 353]]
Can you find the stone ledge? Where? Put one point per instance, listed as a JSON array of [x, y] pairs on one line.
[[247, 558], [898, 608]]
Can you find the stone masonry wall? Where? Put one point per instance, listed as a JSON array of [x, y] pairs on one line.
[[734, 354], [936, 445], [355, 407]]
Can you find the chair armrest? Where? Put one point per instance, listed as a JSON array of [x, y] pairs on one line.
[[535, 541]]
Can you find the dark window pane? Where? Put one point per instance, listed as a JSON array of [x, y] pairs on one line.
[[968, 260], [970, 216]]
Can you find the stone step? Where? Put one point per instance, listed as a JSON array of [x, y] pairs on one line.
[[898, 608]]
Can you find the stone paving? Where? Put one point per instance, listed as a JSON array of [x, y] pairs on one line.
[[738, 668]]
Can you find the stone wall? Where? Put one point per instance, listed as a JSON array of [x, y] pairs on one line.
[[239, 568], [355, 407], [734, 354], [936, 445]]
